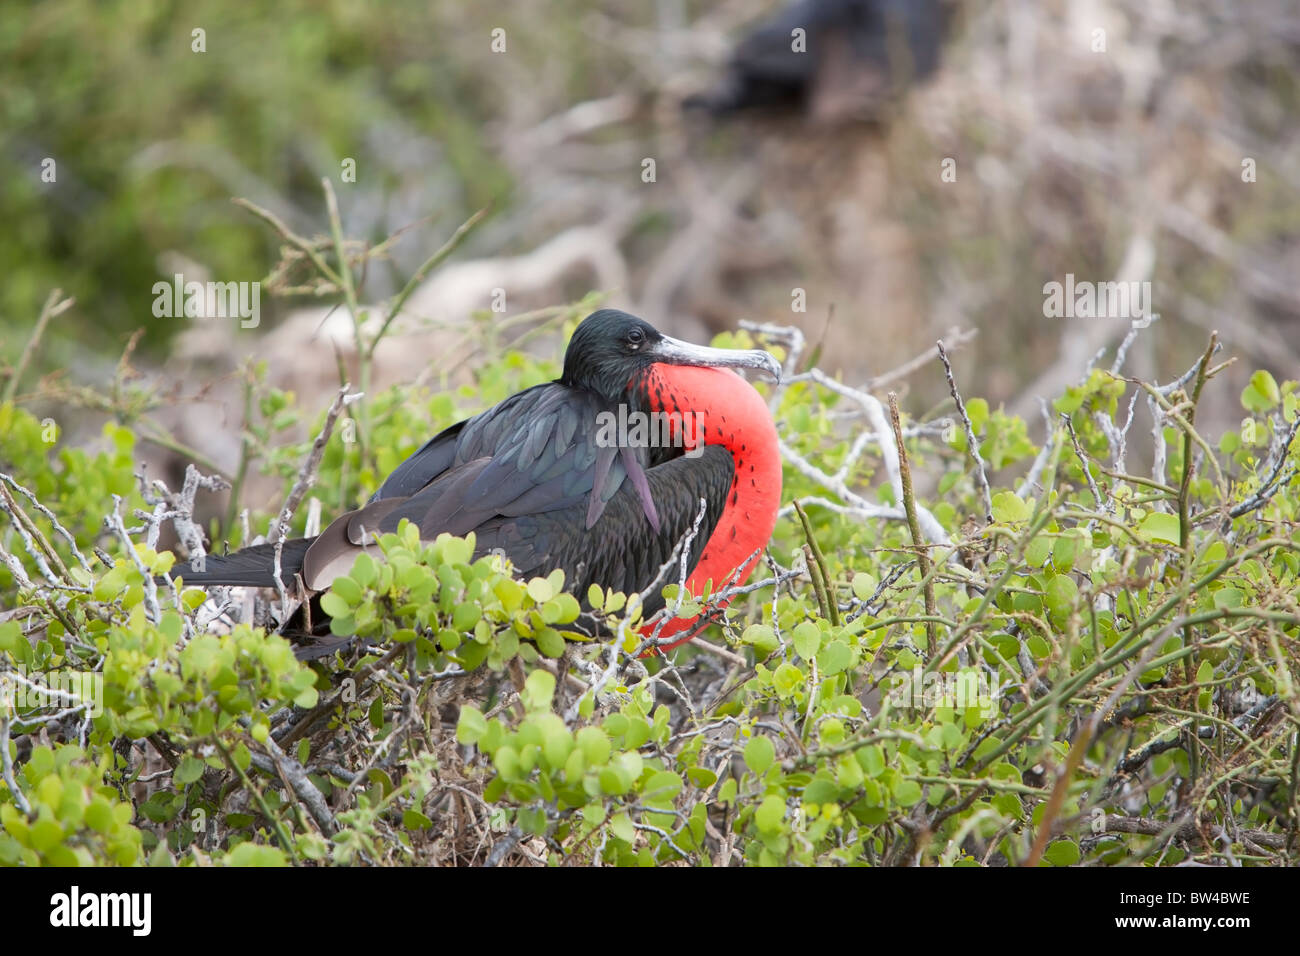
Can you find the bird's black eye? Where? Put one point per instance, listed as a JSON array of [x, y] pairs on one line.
[[635, 337]]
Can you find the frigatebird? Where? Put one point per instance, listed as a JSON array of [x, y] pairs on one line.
[[833, 58], [600, 473]]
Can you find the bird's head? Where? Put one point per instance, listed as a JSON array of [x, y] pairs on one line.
[[611, 349]]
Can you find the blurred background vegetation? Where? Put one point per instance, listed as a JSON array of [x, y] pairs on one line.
[[1120, 162]]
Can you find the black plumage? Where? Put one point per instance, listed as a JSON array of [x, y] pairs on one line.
[[853, 56]]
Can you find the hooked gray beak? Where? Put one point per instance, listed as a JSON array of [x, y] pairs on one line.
[[676, 352]]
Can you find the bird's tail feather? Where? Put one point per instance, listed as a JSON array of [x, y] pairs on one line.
[[249, 567]]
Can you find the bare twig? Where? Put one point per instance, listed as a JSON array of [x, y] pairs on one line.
[[909, 504], [1275, 479], [6, 762], [303, 788], [418, 276], [54, 306], [306, 478], [1102, 503], [972, 444], [821, 574]]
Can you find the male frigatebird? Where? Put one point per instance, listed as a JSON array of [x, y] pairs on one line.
[[599, 473]]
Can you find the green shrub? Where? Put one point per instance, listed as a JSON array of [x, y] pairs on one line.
[[1087, 639], [1083, 661]]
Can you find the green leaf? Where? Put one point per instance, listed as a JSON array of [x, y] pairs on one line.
[[1009, 508], [347, 589], [539, 688], [472, 725], [762, 637], [822, 789], [540, 590], [415, 820], [11, 633], [1228, 598], [661, 788], [872, 759], [1038, 550], [250, 854], [787, 678], [907, 793], [1065, 551], [1262, 393], [466, 615], [1062, 853], [864, 585], [615, 781], [848, 772], [550, 642], [595, 745], [506, 760], [770, 815], [364, 570], [637, 733], [835, 657], [99, 815], [509, 593], [702, 777], [306, 698], [807, 640], [569, 607], [45, 835], [189, 770], [1158, 526], [456, 550], [830, 731], [1061, 592], [759, 754], [621, 826]]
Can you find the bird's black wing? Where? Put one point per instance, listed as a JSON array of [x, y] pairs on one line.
[[533, 479], [433, 458], [531, 438], [620, 551], [538, 452]]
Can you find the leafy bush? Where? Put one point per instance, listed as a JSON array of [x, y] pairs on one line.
[[1082, 661]]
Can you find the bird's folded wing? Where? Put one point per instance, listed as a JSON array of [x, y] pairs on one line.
[[621, 551], [535, 453]]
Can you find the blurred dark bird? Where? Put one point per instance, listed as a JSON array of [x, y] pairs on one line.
[[600, 473], [853, 59]]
